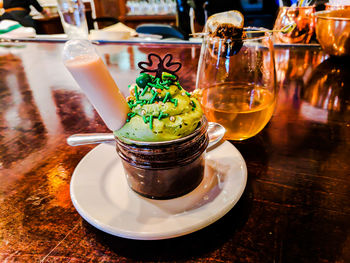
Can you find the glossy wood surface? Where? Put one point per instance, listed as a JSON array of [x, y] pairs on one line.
[[295, 208]]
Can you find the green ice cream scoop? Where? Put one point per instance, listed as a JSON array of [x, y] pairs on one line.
[[161, 110]]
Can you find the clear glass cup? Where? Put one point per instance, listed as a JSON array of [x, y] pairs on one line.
[[168, 169], [302, 16], [72, 14], [236, 83]]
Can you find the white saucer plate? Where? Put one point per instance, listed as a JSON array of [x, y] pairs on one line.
[[101, 195]]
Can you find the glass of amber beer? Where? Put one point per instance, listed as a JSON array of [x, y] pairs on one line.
[[236, 82]]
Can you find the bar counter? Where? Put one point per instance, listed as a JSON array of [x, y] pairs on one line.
[[296, 204]]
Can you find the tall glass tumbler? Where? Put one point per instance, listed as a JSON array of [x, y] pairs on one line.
[[72, 14], [236, 83]]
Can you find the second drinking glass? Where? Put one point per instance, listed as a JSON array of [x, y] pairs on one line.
[[72, 14], [236, 83]]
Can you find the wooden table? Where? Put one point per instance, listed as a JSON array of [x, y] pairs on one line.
[[295, 208]]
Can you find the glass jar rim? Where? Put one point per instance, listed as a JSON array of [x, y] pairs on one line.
[[203, 124]]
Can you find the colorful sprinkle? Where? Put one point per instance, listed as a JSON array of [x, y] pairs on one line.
[[193, 104], [144, 91], [154, 97], [152, 85], [167, 82], [144, 119], [136, 94], [167, 95], [174, 101], [151, 122]]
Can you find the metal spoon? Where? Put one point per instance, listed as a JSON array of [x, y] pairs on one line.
[[215, 131]]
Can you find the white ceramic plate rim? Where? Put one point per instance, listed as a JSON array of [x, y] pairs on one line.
[[190, 221]]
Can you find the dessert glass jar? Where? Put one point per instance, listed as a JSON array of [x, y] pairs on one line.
[[168, 169]]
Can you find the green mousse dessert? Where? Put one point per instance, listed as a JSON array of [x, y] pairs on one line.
[[161, 110]]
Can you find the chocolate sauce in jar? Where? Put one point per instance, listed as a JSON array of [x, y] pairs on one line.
[[165, 170]]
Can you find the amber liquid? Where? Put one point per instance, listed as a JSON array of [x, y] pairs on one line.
[[243, 109]]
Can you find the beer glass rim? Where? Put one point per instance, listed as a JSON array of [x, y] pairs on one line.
[[264, 34]]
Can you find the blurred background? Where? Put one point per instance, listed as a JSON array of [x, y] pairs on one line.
[[178, 14]]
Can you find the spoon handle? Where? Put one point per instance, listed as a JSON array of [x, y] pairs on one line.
[[89, 138], [215, 133]]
